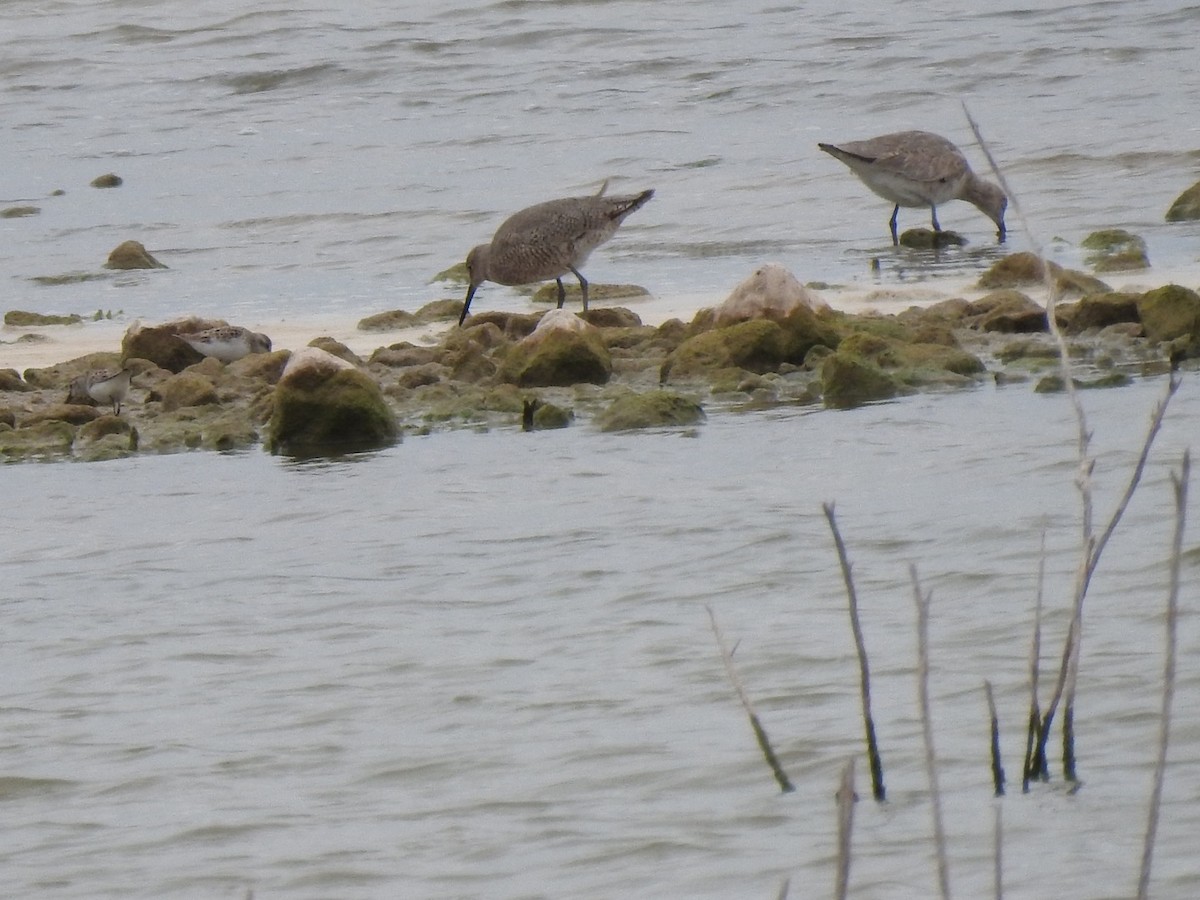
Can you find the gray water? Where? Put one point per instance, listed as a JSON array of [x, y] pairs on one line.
[[479, 665]]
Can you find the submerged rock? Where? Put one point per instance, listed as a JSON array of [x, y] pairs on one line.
[[1101, 311], [848, 380], [652, 409], [132, 255], [1026, 268], [108, 180], [19, 318], [928, 239], [1186, 207], [325, 405], [1115, 250]]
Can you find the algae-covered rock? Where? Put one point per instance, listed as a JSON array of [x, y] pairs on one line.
[[1115, 250], [108, 437], [1005, 311], [337, 348], [161, 344], [132, 255], [107, 180], [1171, 314], [325, 405], [189, 388], [563, 350], [19, 318], [1186, 207], [1026, 268], [1053, 384], [653, 409], [393, 320], [771, 292], [612, 317], [19, 212], [848, 380], [605, 293], [540, 416], [46, 439], [928, 239], [10, 380], [1101, 311], [756, 345], [71, 413], [456, 274]]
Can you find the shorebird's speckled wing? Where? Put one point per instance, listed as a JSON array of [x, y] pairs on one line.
[[918, 155]]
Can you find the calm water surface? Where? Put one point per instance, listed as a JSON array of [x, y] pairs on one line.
[[480, 665]]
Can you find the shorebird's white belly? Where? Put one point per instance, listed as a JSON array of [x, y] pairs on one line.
[[906, 192]]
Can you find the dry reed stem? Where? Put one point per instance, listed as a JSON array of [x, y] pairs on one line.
[[1180, 485], [935, 797], [845, 799], [994, 719], [1028, 770], [760, 733], [877, 787], [998, 841]]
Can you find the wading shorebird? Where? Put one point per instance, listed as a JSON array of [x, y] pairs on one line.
[[107, 386], [917, 168], [548, 241], [228, 343]]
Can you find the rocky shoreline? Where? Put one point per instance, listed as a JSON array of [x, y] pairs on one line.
[[772, 342]]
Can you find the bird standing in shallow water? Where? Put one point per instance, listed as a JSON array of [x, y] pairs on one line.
[[548, 241], [917, 168]]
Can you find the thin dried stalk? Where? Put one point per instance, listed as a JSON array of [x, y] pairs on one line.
[[997, 766], [877, 787], [845, 799], [760, 733], [1180, 484], [935, 797], [1034, 768]]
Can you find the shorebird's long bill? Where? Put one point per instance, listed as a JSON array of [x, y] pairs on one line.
[[467, 304]]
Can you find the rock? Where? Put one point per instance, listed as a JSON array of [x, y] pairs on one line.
[[1025, 268], [1115, 250], [772, 292], [132, 255], [71, 413], [456, 274], [756, 345], [563, 350], [612, 317], [19, 212], [8, 418], [927, 239], [1100, 311], [513, 326], [1171, 315], [185, 389], [161, 345], [337, 348], [403, 355], [47, 439], [1053, 384], [1186, 207], [10, 380], [19, 318], [325, 405], [848, 381], [110, 180], [539, 416], [388, 321], [1005, 311], [652, 409], [548, 293]]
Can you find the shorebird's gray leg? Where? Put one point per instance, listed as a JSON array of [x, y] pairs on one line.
[[933, 212], [892, 223], [562, 292], [582, 286]]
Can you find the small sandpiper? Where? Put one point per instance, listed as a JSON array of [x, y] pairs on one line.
[[917, 168], [548, 241], [107, 386], [227, 342]]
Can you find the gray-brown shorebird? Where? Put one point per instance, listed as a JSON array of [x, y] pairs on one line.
[[548, 241], [917, 168]]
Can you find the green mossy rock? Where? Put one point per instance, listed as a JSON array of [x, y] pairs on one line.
[[108, 180], [186, 389], [1186, 207], [1100, 311], [928, 239], [161, 346], [756, 345], [323, 405], [848, 380], [47, 439], [653, 409], [1171, 314], [559, 358], [388, 321], [10, 380], [1025, 268], [604, 293], [19, 318], [1115, 250], [132, 255], [19, 212]]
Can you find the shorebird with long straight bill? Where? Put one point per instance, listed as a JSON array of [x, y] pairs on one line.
[[917, 168], [548, 241]]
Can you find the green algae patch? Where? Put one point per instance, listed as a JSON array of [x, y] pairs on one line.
[[1186, 207], [1171, 314], [652, 409], [1115, 250], [19, 318]]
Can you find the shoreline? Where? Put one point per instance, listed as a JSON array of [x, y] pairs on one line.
[[63, 343]]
